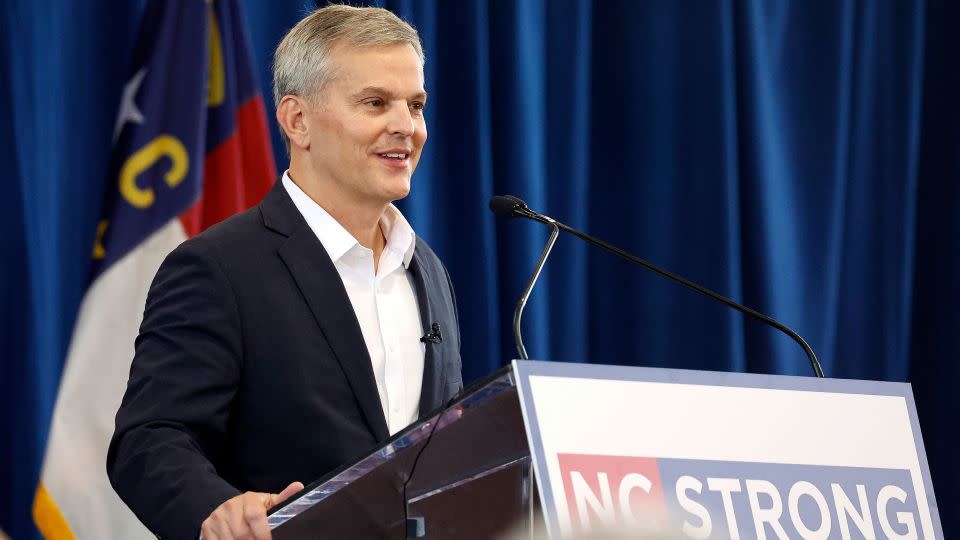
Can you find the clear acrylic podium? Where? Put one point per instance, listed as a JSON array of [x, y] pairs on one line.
[[462, 472]]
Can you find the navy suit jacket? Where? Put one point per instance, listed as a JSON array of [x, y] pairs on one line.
[[251, 371]]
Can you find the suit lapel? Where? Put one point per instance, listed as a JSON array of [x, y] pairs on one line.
[[430, 390], [321, 286]]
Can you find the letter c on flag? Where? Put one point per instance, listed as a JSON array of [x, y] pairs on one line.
[[143, 159]]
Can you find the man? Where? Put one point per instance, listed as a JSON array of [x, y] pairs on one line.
[[286, 341]]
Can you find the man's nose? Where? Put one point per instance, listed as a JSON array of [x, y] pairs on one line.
[[401, 121]]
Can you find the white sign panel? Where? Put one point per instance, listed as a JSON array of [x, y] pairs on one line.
[[726, 455]]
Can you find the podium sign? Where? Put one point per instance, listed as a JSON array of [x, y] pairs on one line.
[[725, 455]]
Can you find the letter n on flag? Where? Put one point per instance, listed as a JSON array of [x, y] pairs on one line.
[[190, 148]]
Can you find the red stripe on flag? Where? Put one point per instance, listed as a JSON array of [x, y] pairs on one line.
[[237, 174]]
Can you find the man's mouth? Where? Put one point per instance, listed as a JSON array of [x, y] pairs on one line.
[[394, 155]]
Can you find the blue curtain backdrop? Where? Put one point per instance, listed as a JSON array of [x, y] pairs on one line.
[[801, 157]]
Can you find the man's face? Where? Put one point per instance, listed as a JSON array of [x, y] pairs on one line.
[[366, 125]]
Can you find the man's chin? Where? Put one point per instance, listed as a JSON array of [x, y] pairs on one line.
[[399, 191]]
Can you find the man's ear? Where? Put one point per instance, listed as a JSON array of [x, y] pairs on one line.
[[290, 117]]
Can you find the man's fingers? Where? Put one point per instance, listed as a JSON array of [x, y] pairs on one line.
[[220, 526], [245, 516], [207, 532], [239, 518], [285, 494], [255, 515], [235, 518], [215, 526]]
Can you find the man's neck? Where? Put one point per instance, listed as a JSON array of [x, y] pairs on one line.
[[362, 221]]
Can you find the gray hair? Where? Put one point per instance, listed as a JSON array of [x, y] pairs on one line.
[[301, 64]]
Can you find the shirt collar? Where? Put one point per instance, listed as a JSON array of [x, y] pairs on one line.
[[399, 234], [336, 240]]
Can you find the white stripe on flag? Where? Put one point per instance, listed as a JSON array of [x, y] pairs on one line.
[[93, 382]]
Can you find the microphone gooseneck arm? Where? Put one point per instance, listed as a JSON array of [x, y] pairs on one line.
[[522, 303], [508, 205], [814, 363]]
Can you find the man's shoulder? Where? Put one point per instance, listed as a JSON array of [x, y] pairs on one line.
[[240, 225], [430, 260], [424, 250], [240, 235]]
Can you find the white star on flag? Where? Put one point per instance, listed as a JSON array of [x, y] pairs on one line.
[[128, 105]]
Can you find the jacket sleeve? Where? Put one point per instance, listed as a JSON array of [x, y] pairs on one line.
[[171, 428]]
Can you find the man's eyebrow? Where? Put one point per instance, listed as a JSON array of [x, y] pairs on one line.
[[384, 92]]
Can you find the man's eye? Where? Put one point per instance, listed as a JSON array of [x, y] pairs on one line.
[[418, 106], [375, 102]]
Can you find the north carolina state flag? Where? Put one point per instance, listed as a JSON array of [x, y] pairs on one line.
[[190, 148]]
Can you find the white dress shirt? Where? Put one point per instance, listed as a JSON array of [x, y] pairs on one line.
[[383, 300]]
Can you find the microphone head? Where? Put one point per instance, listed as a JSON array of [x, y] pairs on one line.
[[506, 205]]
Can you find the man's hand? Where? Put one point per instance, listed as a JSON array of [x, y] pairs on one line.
[[245, 516]]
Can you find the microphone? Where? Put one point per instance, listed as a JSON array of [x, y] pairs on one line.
[[505, 205], [433, 336], [510, 206]]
